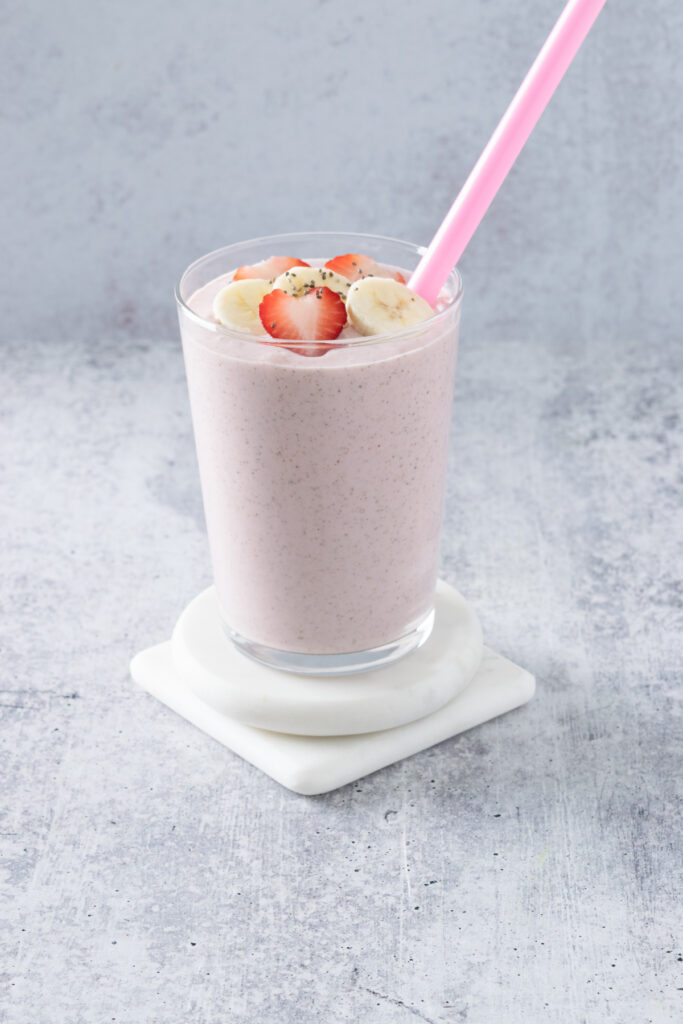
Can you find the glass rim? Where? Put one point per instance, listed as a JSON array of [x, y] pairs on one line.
[[373, 339]]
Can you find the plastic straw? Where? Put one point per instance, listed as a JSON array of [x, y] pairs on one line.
[[504, 147]]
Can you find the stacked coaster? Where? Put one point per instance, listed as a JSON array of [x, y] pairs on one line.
[[313, 734]]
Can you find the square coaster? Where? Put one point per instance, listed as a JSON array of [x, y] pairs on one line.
[[317, 764]]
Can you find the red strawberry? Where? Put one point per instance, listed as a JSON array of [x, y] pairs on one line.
[[268, 269], [354, 266], [319, 315]]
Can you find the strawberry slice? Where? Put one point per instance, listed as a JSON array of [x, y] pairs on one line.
[[268, 270], [319, 315], [354, 265]]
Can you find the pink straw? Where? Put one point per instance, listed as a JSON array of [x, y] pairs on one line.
[[504, 147]]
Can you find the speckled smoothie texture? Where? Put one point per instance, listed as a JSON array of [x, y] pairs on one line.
[[322, 480]]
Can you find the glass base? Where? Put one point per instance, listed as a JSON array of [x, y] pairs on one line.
[[335, 664]]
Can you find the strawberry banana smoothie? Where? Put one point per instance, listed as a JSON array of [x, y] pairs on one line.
[[320, 390]]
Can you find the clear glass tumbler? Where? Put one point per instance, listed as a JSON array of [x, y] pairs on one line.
[[322, 475]]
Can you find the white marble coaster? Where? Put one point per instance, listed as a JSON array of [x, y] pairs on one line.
[[310, 764], [381, 698], [317, 764]]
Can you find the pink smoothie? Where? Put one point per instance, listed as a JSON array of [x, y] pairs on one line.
[[322, 478]]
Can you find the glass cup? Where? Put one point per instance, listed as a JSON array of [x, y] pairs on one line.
[[322, 475]]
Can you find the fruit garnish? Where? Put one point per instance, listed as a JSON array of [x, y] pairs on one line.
[[380, 305], [319, 315], [237, 304], [354, 266], [268, 269], [300, 280]]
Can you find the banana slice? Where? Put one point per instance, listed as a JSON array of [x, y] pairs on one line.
[[298, 280], [380, 305], [237, 304]]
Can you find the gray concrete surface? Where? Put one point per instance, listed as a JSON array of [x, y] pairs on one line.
[[138, 136], [524, 872]]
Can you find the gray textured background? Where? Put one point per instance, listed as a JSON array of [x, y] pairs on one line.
[[138, 136], [525, 872]]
